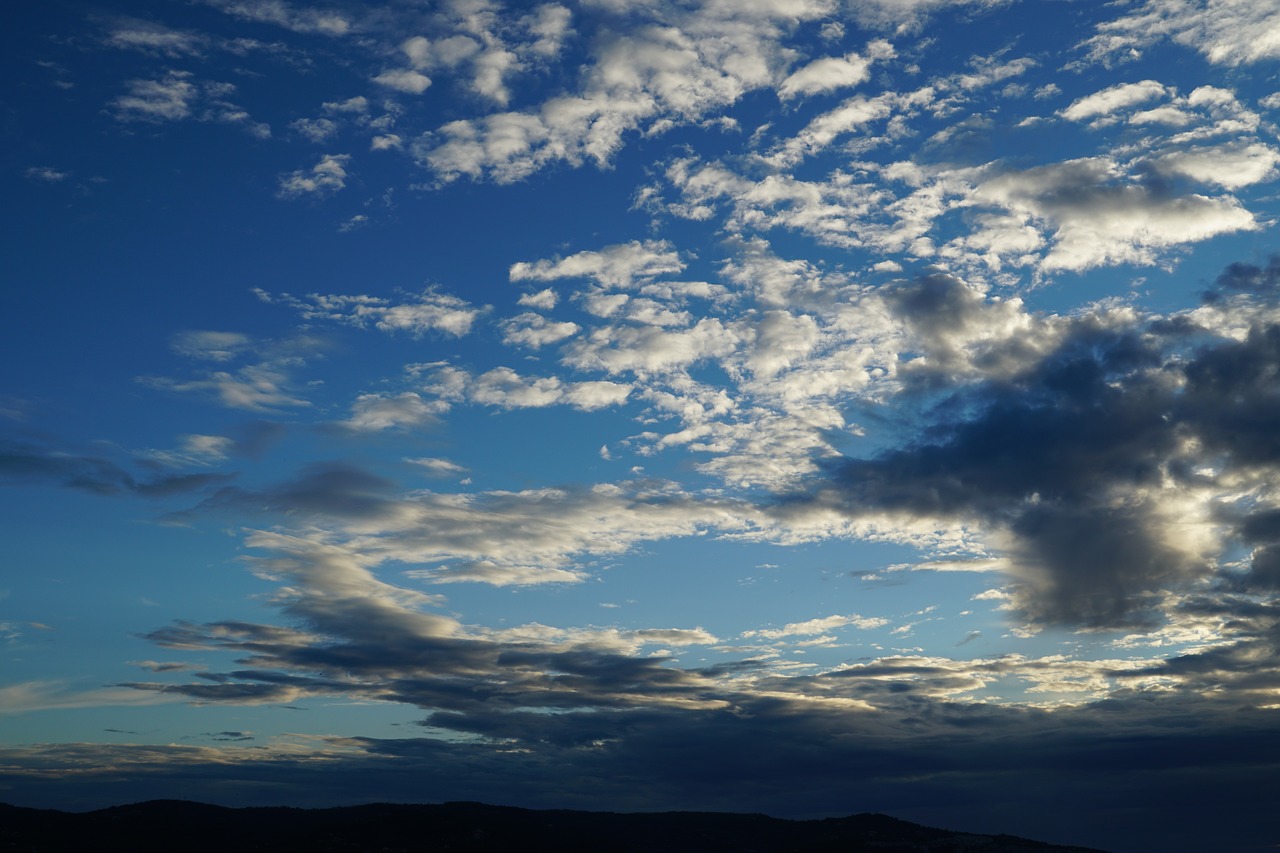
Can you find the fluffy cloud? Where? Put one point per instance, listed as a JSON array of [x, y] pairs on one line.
[[326, 177], [534, 330], [672, 65], [614, 266], [1104, 104], [1230, 166], [823, 75], [378, 412], [627, 349], [404, 80], [1101, 218], [505, 388]]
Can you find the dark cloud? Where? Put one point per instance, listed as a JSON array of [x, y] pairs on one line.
[[1076, 461], [22, 463], [1246, 278], [332, 489], [1108, 778]]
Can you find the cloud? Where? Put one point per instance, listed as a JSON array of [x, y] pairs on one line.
[[22, 462], [211, 345], [325, 178], [1105, 103], [357, 105], [404, 80], [178, 96], [317, 130], [534, 330], [154, 38], [1230, 166], [543, 300], [263, 385], [617, 266], [1082, 463], [375, 412], [36, 696], [650, 349], [257, 388], [818, 626], [505, 388], [1101, 219], [167, 99], [666, 66], [826, 74], [429, 311], [282, 14], [1226, 32], [711, 761], [46, 174], [438, 467], [540, 532]]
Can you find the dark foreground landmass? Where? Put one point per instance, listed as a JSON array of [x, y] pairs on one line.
[[170, 825]]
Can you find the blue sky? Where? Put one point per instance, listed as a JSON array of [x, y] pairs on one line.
[[796, 406]]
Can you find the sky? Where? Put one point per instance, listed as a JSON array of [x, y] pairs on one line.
[[807, 407]]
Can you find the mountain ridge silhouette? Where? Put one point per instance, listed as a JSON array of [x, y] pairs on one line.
[[472, 827]]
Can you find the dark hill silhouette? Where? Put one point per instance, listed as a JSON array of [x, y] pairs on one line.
[[168, 825]]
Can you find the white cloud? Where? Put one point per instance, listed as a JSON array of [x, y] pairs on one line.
[[550, 26], [597, 394], [214, 346], [315, 129], [1229, 166], [614, 266], [534, 534], [826, 74], [376, 412], [154, 38], [358, 105], [667, 66], [429, 311], [543, 300], [438, 467], [166, 99], [497, 574], [1114, 99], [1226, 32], [256, 388], [326, 177], [649, 349], [507, 389], [282, 14], [1100, 218], [534, 330], [906, 15], [404, 80], [818, 626], [47, 174]]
